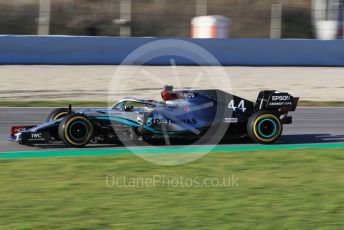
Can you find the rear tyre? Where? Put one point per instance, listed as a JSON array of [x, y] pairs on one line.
[[264, 127], [75, 130], [57, 114]]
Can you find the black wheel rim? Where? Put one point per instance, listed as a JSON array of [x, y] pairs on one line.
[[267, 128], [78, 130]]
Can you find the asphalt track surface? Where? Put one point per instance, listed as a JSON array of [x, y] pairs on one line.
[[310, 126]]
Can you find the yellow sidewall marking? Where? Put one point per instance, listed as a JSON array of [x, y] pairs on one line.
[[263, 117], [58, 115], [66, 129]]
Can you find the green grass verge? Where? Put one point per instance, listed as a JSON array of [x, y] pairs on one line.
[[300, 189], [65, 103]]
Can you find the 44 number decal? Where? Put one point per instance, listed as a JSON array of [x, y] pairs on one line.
[[240, 106]]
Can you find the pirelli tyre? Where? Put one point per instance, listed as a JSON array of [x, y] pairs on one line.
[[75, 130], [57, 114], [264, 127]]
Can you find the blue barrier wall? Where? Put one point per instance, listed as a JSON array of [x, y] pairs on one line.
[[112, 50]]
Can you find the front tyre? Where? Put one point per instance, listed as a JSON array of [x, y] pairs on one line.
[[75, 130], [264, 127], [57, 114]]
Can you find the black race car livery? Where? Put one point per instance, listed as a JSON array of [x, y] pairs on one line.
[[189, 115]]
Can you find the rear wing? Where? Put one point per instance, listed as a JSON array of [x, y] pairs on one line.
[[272, 100]]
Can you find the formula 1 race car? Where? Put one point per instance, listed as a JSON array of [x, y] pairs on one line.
[[192, 115]]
